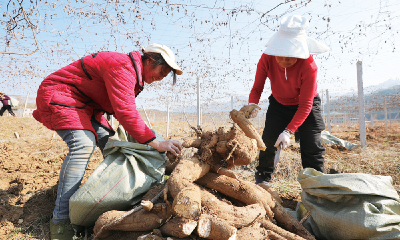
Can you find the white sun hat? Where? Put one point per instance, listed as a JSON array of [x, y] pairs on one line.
[[166, 53], [291, 40]]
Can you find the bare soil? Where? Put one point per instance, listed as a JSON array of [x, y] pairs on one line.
[[31, 157]]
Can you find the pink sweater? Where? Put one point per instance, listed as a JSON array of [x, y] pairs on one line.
[[68, 98], [295, 85]]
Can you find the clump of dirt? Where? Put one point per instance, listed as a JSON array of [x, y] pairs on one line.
[[290, 200], [294, 148], [338, 147]]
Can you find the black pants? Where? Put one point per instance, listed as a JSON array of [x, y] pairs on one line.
[[277, 118], [6, 107]]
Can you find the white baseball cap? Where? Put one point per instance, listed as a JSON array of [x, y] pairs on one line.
[[166, 53], [291, 40]]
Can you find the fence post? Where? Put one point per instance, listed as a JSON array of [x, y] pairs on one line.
[[385, 111], [328, 114], [167, 121], [372, 120], [213, 122], [345, 122], [26, 103], [198, 103], [361, 111]]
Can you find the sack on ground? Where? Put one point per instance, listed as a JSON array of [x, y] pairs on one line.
[[349, 205], [128, 171], [327, 138], [13, 102]]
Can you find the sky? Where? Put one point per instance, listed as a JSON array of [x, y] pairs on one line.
[[217, 42]]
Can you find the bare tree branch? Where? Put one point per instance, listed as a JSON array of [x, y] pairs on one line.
[[33, 31]]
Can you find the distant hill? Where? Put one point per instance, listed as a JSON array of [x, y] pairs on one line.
[[373, 100]]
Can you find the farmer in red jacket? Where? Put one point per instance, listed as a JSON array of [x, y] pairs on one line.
[[294, 103], [72, 102]]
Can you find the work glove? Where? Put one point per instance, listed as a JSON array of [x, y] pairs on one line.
[[250, 111], [284, 139]]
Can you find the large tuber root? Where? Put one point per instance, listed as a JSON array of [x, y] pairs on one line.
[[192, 143], [182, 189], [268, 225], [246, 110], [250, 193], [179, 227], [213, 228], [185, 173], [247, 233], [248, 128], [244, 151], [233, 215], [244, 191], [187, 203], [224, 148], [141, 220]]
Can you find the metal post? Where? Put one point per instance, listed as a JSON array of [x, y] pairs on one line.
[[213, 122], [26, 103], [231, 102], [198, 102], [345, 122], [328, 116], [166, 136], [361, 110], [372, 120], [385, 110]]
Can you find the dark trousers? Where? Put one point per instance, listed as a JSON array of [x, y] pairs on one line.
[[277, 118], [6, 107]]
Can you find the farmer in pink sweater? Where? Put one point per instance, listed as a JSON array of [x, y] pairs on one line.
[[73, 100], [294, 103], [5, 100]]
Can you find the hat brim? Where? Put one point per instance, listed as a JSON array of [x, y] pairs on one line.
[[299, 46], [173, 65]]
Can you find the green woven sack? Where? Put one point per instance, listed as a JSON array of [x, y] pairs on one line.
[[128, 171]]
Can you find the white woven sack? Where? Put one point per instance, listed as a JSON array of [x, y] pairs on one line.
[[14, 102]]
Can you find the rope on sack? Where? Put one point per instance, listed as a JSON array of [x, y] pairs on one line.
[[305, 217]]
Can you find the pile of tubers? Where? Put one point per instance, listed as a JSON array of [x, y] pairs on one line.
[[196, 194]]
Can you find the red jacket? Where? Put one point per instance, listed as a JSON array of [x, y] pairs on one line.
[[295, 85], [68, 98]]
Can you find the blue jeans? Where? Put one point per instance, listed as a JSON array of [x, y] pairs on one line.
[[81, 144]]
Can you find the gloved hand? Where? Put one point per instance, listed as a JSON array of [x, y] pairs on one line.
[[250, 111], [284, 139]]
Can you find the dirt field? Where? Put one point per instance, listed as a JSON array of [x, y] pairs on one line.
[[29, 168]]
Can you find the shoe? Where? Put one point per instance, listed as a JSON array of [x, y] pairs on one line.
[[61, 230], [260, 179]]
